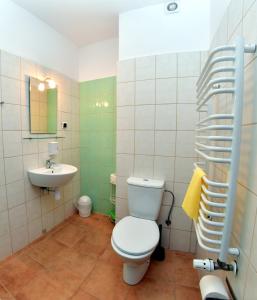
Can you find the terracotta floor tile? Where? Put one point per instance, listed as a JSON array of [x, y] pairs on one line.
[[64, 279], [184, 293], [18, 271], [82, 295], [76, 261], [79, 264], [69, 235], [150, 289], [185, 274], [41, 288], [4, 294], [105, 282], [96, 220], [94, 243], [110, 256], [162, 271], [45, 251]]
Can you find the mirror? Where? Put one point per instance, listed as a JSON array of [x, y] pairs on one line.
[[42, 106]]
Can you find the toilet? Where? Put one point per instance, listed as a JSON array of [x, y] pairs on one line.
[[135, 237]]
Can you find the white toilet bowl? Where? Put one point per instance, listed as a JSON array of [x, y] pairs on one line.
[[134, 240]]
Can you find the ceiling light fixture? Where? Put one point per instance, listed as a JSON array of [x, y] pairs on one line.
[[172, 7]]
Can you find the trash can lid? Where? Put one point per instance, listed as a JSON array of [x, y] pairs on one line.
[[84, 200]]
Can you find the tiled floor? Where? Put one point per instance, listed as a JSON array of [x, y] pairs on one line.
[[75, 261]]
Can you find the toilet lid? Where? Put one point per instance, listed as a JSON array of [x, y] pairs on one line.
[[135, 236]]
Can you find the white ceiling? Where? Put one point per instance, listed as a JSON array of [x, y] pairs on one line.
[[83, 21]]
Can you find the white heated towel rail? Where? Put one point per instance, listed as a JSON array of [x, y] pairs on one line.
[[219, 89]]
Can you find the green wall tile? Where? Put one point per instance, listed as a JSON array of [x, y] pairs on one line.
[[98, 140]]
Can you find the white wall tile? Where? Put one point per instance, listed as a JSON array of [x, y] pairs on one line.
[[187, 89], [25, 123], [19, 154], [12, 143], [121, 187], [165, 117], [166, 65], [10, 65], [125, 117], [164, 212], [48, 221], [144, 142], [1, 141], [166, 90], [13, 169], [250, 92], [19, 238], [253, 256], [164, 167], [30, 147], [35, 229], [125, 93], [15, 193], [238, 282], [11, 90], [124, 164], [145, 68], [11, 117], [29, 162], [250, 29], [180, 220], [193, 242], [183, 121], [5, 246], [165, 242], [18, 217], [4, 223], [180, 192], [246, 208], [69, 209], [235, 12], [247, 5], [251, 286], [2, 174], [3, 198], [185, 144], [125, 141], [179, 240], [154, 153], [33, 209], [183, 169], [121, 208], [189, 64], [143, 166], [145, 92], [28, 68], [144, 117], [165, 143], [59, 215], [126, 70]]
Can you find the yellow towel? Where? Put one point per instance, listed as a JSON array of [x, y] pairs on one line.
[[192, 198]]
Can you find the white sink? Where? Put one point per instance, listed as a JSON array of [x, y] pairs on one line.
[[57, 176]]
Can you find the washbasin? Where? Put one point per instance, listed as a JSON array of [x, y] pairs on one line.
[[54, 177]]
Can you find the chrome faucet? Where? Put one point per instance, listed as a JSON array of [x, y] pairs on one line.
[[49, 163]]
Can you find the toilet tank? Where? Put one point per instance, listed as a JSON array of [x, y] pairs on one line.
[[145, 197]]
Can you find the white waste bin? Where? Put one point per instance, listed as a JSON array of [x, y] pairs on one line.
[[84, 206]]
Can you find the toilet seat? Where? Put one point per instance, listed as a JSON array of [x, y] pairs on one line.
[[135, 236]]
